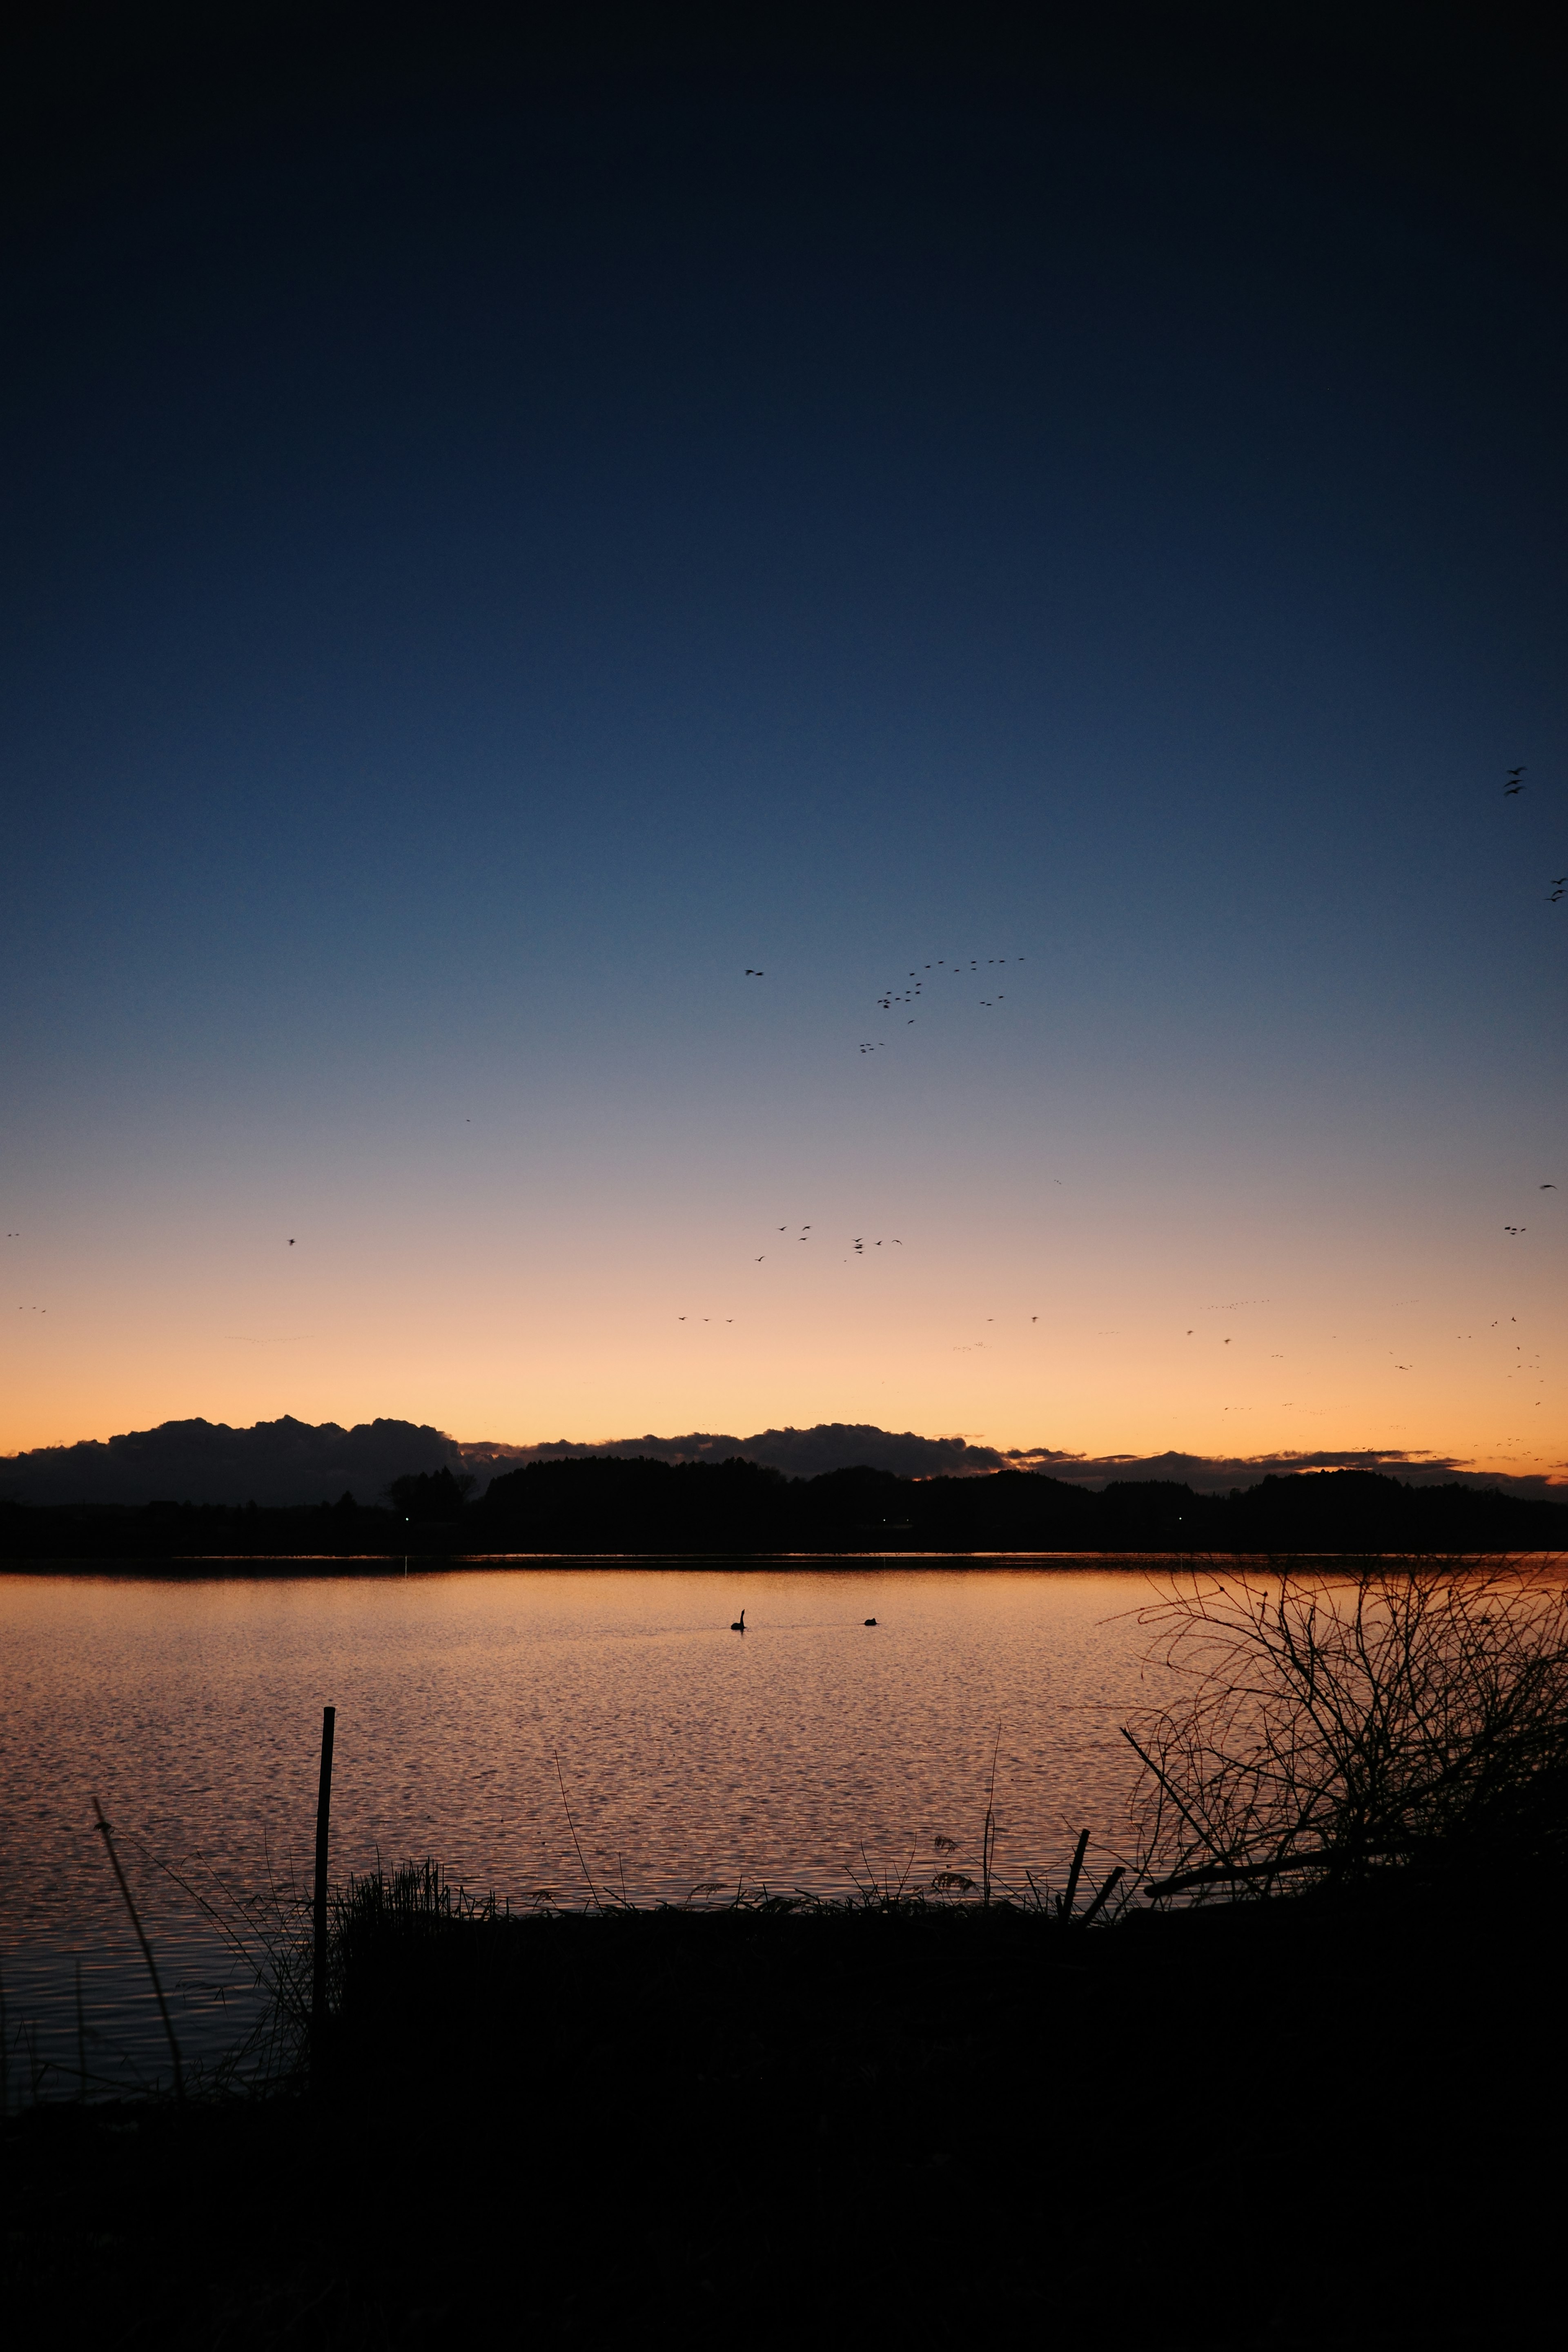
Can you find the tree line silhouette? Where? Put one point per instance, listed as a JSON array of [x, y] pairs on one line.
[[609, 1504]]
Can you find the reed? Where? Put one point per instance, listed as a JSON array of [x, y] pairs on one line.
[[576, 1846], [319, 1894], [988, 1831]]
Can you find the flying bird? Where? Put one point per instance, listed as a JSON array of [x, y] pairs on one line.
[[291, 1241], [1515, 786], [1546, 1188], [1515, 1229]]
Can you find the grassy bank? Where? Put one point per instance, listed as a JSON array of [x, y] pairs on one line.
[[1308, 2121]]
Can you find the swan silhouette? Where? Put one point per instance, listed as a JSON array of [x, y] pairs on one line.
[[739, 1624]]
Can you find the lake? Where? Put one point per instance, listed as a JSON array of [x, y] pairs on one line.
[[807, 1752]]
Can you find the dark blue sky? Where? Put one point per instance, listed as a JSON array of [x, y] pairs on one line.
[[490, 563]]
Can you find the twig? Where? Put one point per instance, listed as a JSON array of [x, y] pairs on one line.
[[146, 1949], [1165, 1780], [573, 1827], [988, 1835], [1103, 1897], [1070, 1898]]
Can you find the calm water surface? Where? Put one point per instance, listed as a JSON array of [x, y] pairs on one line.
[[807, 1750]]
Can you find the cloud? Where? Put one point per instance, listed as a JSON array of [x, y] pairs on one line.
[[798, 1452], [844, 1445], [1210, 1473], [275, 1463]]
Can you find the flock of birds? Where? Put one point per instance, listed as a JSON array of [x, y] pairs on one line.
[[1516, 1230], [899, 996], [913, 997], [858, 1247], [910, 1001], [1558, 881]]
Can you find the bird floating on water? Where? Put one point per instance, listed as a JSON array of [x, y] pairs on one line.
[[739, 1624], [870, 1621]]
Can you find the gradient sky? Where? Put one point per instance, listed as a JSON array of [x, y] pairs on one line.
[[492, 558]]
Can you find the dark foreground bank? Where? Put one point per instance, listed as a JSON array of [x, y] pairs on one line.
[[1296, 2123]]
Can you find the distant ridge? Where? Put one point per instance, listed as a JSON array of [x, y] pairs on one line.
[[287, 1462]]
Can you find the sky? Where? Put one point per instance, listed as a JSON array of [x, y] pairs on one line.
[[494, 555]]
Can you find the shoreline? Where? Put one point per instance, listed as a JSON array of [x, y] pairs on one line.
[[193, 1567]]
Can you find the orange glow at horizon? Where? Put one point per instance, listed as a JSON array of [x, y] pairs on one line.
[[1034, 1335]]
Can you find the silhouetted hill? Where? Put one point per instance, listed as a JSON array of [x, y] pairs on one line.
[[276, 1463]]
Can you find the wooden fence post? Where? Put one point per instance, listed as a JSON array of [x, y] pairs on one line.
[[324, 1816]]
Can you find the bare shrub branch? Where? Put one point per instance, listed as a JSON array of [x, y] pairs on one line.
[[1335, 1722]]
